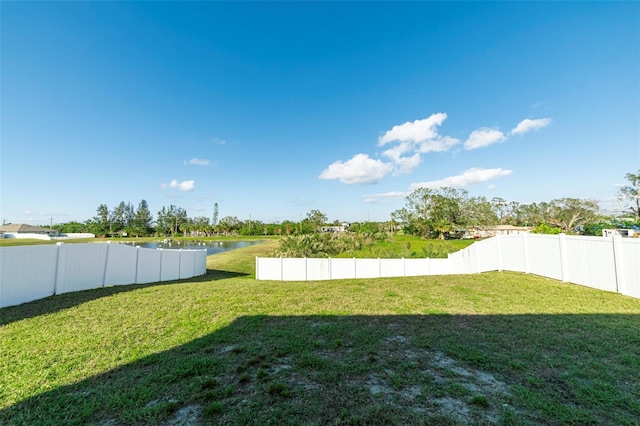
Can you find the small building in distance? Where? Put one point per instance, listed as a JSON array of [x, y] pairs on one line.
[[343, 227], [623, 232], [492, 231], [21, 230]]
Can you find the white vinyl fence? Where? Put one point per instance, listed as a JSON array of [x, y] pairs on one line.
[[33, 272], [605, 263]]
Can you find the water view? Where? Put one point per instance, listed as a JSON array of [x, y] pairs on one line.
[[212, 247]]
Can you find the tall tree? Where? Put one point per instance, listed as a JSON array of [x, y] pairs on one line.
[[434, 212], [169, 220], [630, 194], [117, 219], [501, 208], [101, 221], [316, 218], [129, 218], [143, 220], [570, 213], [478, 212], [229, 224]]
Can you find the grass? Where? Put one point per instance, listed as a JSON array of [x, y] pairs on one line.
[[495, 348], [8, 242], [410, 246]]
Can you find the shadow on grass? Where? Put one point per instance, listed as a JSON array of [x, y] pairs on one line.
[[59, 302], [396, 369]]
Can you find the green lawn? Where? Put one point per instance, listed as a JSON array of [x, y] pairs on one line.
[[8, 242], [494, 348]]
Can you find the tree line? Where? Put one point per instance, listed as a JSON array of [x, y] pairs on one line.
[[446, 211], [432, 213]]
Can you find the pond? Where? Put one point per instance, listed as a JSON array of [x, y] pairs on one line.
[[212, 247]]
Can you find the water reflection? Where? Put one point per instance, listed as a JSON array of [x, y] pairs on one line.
[[212, 247]]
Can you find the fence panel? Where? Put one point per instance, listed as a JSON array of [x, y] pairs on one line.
[[201, 262], [630, 267], [590, 262], [27, 273], [343, 268], [81, 267], [487, 254], [512, 251], [318, 269], [187, 263], [598, 262], [544, 256], [33, 272], [367, 268], [121, 265], [269, 268], [416, 267], [459, 262], [294, 269], [392, 268], [170, 266], [149, 262], [440, 267]]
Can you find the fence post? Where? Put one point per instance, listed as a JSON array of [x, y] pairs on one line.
[[617, 262], [106, 264], [355, 268], [55, 279], [404, 267], [281, 269], [379, 268], [160, 272], [330, 275], [257, 269], [305, 269], [137, 260], [564, 264], [179, 262]]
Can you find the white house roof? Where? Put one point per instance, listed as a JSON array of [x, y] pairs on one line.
[[21, 227]]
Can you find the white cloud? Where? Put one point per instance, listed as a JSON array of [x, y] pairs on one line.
[[469, 177], [416, 131], [527, 125], [385, 197], [439, 144], [198, 162], [483, 137], [360, 169], [218, 141], [409, 141], [187, 185], [407, 164], [403, 164]]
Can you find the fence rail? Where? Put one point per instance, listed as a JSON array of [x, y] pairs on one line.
[[605, 263], [33, 272]]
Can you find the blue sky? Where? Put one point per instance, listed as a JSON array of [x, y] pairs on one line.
[[274, 109]]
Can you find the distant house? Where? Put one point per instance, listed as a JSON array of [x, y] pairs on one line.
[[344, 227], [493, 231], [622, 232], [26, 231]]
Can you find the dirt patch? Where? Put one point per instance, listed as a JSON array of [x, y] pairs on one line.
[[440, 385], [186, 416]]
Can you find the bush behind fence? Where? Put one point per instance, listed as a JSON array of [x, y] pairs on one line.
[[605, 263], [33, 272]]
